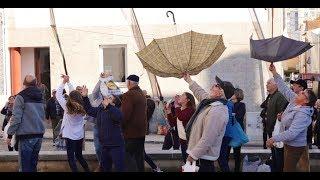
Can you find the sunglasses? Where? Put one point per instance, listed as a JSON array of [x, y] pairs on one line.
[[216, 85]]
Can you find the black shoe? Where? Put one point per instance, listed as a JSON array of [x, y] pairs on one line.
[[265, 147], [310, 146]]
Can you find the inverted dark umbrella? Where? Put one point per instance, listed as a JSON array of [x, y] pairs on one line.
[[276, 49]]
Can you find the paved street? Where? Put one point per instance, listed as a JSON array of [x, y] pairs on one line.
[[153, 144]]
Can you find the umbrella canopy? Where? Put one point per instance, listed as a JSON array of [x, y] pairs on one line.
[[189, 52], [277, 49], [313, 24]]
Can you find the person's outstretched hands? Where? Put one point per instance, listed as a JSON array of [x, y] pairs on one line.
[[187, 78], [84, 91], [272, 68], [65, 78]]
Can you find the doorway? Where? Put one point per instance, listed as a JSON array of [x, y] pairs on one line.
[[33, 61], [42, 68]]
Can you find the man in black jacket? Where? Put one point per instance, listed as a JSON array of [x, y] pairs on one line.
[[54, 112]]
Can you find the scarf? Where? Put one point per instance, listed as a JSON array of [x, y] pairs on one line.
[[204, 103]]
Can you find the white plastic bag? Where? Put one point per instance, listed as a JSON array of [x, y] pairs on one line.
[[188, 167], [264, 168], [5, 135], [276, 131]]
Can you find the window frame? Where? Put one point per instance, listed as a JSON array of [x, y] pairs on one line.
[[101, 59]]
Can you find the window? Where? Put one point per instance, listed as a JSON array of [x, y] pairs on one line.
[[113, 59]]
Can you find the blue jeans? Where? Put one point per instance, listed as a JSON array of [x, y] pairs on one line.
[[96, 143], [113, 155], [29, 153], [224, 154]]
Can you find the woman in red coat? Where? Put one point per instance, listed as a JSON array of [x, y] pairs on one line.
[[184, 107]]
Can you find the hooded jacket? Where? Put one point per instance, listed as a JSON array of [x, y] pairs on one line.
[[28, 114]]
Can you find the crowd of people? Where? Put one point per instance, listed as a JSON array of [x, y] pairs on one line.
[[203, 132]]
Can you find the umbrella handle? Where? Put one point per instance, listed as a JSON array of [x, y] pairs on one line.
[[174, 20]]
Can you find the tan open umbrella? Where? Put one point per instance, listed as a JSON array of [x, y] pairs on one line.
[[190, 52], [313, 24]]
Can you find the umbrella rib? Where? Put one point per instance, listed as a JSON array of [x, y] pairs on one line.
[[167, 58], [281, 42], [190, 51]]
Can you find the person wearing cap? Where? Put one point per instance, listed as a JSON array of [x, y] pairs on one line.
[[298, 86], [206, 128], [54, 113], [134, 109], [294, 124]]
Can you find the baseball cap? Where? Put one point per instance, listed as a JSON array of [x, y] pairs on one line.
[[300, 82]]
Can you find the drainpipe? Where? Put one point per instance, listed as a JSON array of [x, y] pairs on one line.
[[3, 51], [6, 81]]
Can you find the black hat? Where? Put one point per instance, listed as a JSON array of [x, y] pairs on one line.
[[227, 87], [300, 82], [133, 77]]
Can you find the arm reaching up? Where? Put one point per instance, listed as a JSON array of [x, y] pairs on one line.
[[282, 87], [198, 92]]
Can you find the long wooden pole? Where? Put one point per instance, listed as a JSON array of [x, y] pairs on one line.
[[260, 35], [156, 91], [55, 32]]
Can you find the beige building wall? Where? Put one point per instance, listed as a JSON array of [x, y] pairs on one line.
[[81, 48]]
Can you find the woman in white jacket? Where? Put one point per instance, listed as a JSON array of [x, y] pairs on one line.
[[72, 127]]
